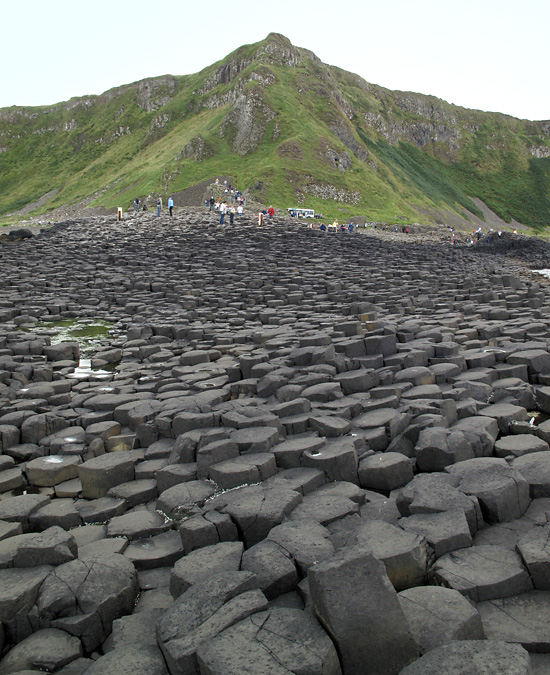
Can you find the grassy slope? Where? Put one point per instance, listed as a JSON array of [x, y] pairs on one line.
[[99, 156]]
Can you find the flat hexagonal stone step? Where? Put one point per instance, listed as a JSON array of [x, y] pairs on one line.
[[404, 554], [302, 479], [288, 453], [385, 471], [331, 426], [161, 550], [255, 439], [137, 658], [101, 473], [53, 547], [100, 510], [278, 641], [504, 413], [60, 512], [338, 459], [247, 417], [256, 509], [436, 493], [380, 417], [535, 469], [201, 564], [305, 541], [502, 492], [274, 569], [19, 509], [203, 611], [535, 552], [49, 647], [444, 531], [135, 492], [137, 525], [472, 657], [245, 469], [439, 615], [181, 499], [324, 507], [519, 444], [482, 572], [522, 619]]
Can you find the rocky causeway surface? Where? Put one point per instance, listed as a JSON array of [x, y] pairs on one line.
[[295, 451]]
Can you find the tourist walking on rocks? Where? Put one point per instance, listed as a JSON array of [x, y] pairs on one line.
[[231, 215], [159, 206], [136, 204], [270, 212], [171, 205], [223, 211], [211, 202], [240, 210]]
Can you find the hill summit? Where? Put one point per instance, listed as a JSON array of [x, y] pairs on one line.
[[289, 128]]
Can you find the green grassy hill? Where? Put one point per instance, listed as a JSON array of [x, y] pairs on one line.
[[290, 129]]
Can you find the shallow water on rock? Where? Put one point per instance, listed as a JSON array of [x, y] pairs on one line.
[[89, 333], [84, 371]]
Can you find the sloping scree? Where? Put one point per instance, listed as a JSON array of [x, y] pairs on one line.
[[282, 429]]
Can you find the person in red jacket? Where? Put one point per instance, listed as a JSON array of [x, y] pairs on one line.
[[270, 212]]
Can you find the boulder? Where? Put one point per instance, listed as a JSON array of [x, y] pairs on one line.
[[438, 447], [405, 554], [48, 649], [356, 604], [137, 659], [204, 611], [199, 565], [256, 509], [279, 640], [535, 553], [472, 657], [520, 619], [437, 493], [482, 572], [534, 468], [273, 566], [385, 471], [84, 596], [101, 473], [439, 615], [502, 492], [444, 532]]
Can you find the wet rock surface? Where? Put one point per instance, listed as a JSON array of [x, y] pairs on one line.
[[277, 417]]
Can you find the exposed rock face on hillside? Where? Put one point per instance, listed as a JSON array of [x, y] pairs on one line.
[[246, 124], [295, 451]]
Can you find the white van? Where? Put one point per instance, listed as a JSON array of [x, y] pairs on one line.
[[302, 213]]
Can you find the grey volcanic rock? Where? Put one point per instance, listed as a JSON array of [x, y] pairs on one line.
[[48, 648], [472, 657], [355, 602], [279, 393], [438, 615], [84, 597], [482, 572], [278, 640], [135, 659], [520, 619], [204, 611]]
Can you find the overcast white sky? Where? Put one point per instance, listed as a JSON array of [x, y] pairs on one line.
[[483, 54]]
